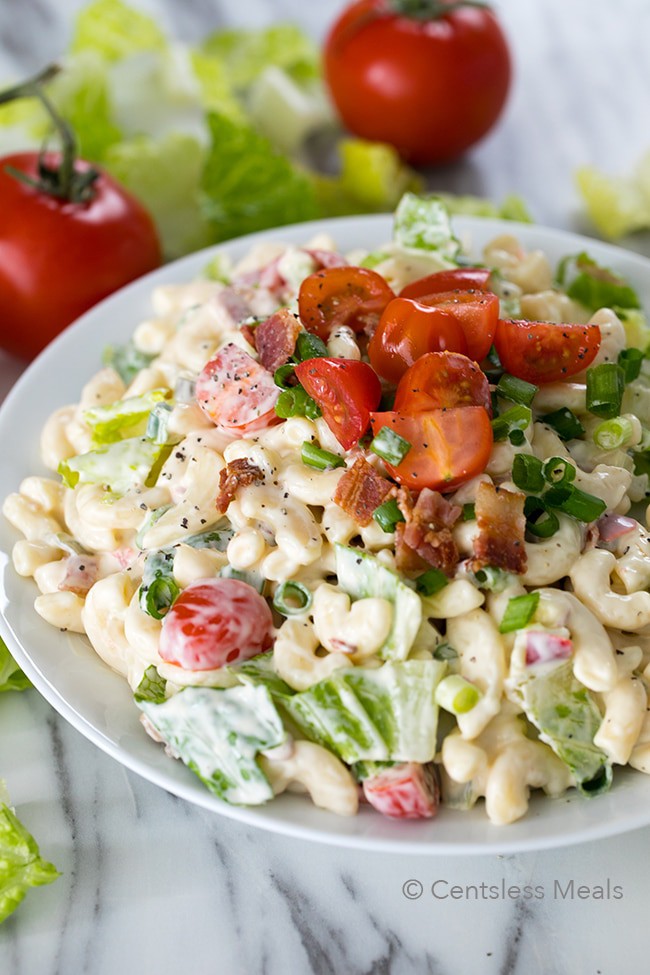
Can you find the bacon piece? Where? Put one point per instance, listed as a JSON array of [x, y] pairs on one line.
[[249, 334], [361, 490], [502, 525], [275, 339], [426, 539], [325, 258], [238, 473], [81, 572], [231, 303]]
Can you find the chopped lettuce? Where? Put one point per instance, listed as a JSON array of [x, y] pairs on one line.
[[124, 418], [361, 575], [218, 734], [152, 687], [247, 185], [617, 206], [118, 466], [127, 360], [422, 223], [513, 207], [11, 676], [637, 329], [374, 176], [259, 670], [388, 714], [115, 30], [246, 54], [593, 285], [287, 112], [21, 865]]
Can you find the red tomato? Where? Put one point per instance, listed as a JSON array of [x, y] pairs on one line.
[[448, 446], [440, 380], [236, 392], [334, 296], [57, 257], [543, 352], [346, 391], [429, 78], [408, 330], [404, 791], [215, 622], [456, 279], [477, 313]]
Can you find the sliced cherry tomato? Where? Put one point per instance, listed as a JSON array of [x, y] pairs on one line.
[[404, 791], [236, 392], [457, 278], [346, 391], [477, 313], [448, 447], [440, 380], [215, 622], [408, 330], [543, 352], [335, 296]]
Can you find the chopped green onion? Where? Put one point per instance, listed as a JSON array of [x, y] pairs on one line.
[[321, 459], [457, 695], [292, 598], [540, 522], [158, 589], [517, 390], [630, 362], [445, 651], [614, 433], [527, 472], [387, 515], [565, 423], [519, 612], [431, 582], [516, 437], [310, 346], [492, 578], [572, 501], [282, 376], [469, 512], [254, 579], [517, 418], [558, 471], [605, 388], [296, 402], [158, 423], [390, 446]]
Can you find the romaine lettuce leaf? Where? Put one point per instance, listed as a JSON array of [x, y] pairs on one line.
[[124, 418], [21, 865], [218, 734], [11, 676], [114, 30], [127, 360], [593, 285], [422, 223], [245, 54], [616, 205], [152, 687], [118, 466]]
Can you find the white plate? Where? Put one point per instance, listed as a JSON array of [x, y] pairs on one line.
[[98, 703]]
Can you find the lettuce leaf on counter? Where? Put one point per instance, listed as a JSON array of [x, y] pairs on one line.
[[11, 676], [21, 865]]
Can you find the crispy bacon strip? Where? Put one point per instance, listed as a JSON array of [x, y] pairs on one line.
[[426, 539], [238, 473], [361, 490], [275, 339], [81, 572], [502, 525]]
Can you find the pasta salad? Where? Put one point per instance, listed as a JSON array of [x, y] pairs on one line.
[[367, 526]]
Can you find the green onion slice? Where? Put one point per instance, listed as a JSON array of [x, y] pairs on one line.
[[310, 346], [469, 512], [457, 695], [390, 446], [296, 402], [527, 472], [613, 434], [630, 361], [322, 460], [572, 501], [514, 420], [558, 471], [431, 582], [517, 390], [158, 589], [605, 388], [292, 598], [565, 423], [387, 515], [282, 376], [519, 612], [540, 522]]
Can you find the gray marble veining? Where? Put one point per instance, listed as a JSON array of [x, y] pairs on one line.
[[153, 885]]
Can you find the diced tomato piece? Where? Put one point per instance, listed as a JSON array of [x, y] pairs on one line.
[[236, 392], [407, 330], [545, 352], [335, 296], [215, 622], [457, 278], [448, 446], [346, 391], [404, 791], [439, 380]]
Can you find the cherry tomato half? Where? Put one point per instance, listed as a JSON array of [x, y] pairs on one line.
[[346, 391], [448, 447], [59, 257], [236, 392], [477, 313], [334, 296], [215, 622], [431, 78], [407, 330], [543, 352], [457, 278], [440, 380]]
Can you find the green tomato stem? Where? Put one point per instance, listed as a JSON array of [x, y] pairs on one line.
[[431, 9]]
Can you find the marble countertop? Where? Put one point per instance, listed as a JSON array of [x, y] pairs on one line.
[[152, 884]]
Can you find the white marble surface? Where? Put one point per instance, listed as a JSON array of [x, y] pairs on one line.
[[151, 884]]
